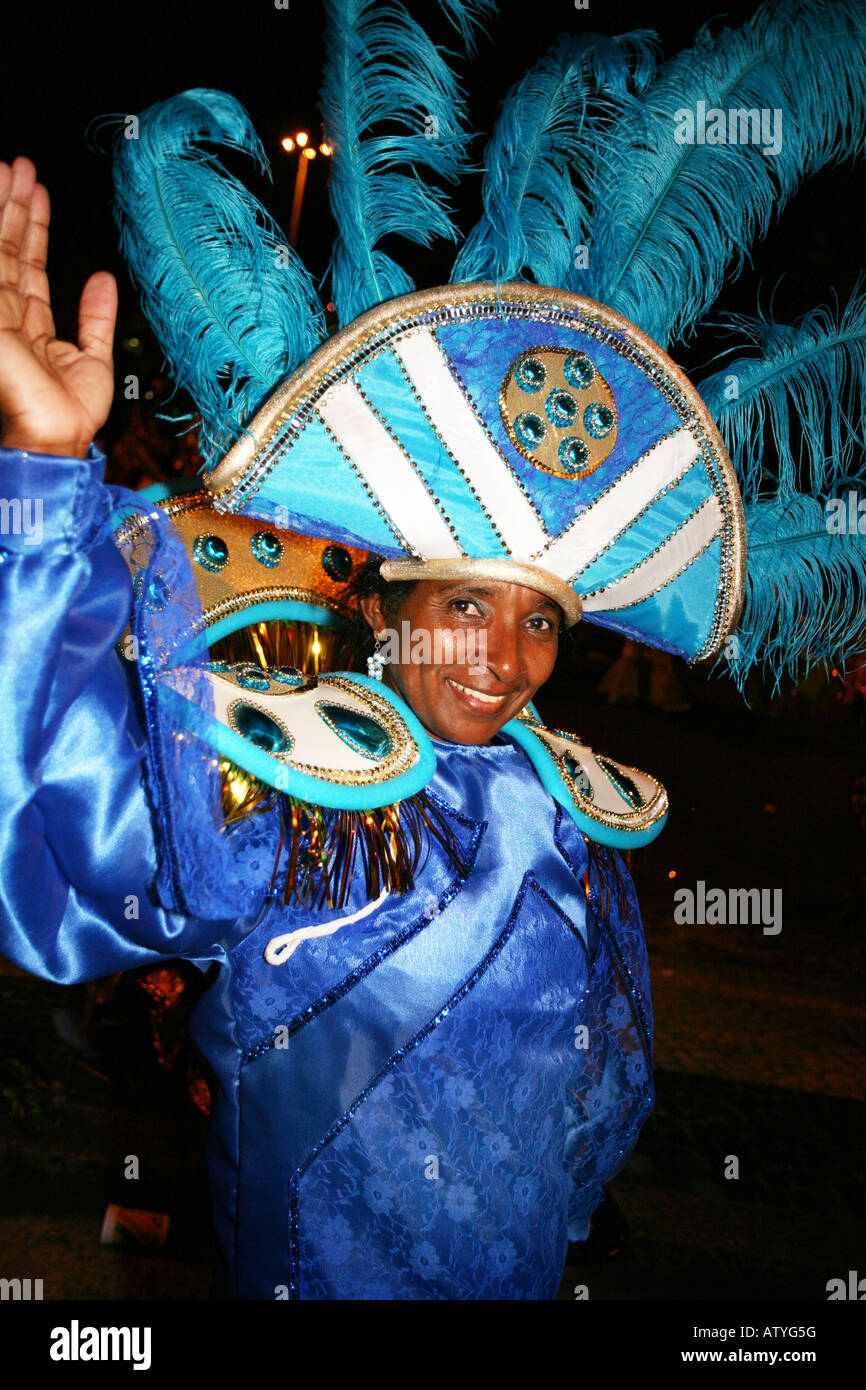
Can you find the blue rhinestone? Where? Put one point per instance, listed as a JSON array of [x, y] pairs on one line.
[[267, 548], [529, 429], [561, 408], [573, 454], [287, 675], [337, 563], [530, 374], [258, 726], [578, 369], [252, 678], [598, 419], [157, 595], [365, 735], [211, 552]]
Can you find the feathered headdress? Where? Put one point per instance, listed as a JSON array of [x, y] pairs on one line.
[[525, 421]]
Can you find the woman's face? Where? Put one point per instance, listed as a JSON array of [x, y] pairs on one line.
[[496, 646]]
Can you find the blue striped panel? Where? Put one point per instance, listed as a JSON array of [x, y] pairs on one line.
[[679, 617], [323, 495], [384, 384], [648, 532], [481, 358]]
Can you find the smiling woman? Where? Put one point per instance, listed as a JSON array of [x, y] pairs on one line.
[[504, 636], [430, 1039], [430, 1031]]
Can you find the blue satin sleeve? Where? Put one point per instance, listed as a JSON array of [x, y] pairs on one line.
[[77, 845]]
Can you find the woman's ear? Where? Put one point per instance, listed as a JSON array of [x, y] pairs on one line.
[[371, 607]]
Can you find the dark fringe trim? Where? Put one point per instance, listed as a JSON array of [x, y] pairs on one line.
[[322, 849], [604, 872]]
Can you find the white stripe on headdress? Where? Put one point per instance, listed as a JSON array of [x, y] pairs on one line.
[[477, 457], [387, 470], [616, 509], [669, 560]]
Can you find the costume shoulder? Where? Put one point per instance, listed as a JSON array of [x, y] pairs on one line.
[[612, 804], [235, 649], [339, 740]]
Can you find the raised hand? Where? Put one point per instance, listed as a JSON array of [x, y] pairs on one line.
[[54, 396]]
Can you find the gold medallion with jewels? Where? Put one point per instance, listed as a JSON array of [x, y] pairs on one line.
[[559, 411]]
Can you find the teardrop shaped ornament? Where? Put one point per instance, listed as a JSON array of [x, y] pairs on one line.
[[262, 730], [360, 731]]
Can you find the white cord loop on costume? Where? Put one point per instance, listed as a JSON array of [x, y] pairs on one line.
[[278, 950]]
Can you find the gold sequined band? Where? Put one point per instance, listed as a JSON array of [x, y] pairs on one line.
[[508, 571]]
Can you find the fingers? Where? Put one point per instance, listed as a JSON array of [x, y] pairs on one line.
[[16, 194], [97, 313], [34, 246]]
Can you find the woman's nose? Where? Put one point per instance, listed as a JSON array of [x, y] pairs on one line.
[[503, 650]]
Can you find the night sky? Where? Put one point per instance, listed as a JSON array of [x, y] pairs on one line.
[[62, 66]]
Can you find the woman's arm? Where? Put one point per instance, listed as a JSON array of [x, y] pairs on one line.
[[77, 846]]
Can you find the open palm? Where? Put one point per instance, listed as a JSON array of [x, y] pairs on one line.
[[54, 396]]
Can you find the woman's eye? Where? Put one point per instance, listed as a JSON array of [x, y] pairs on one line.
[[541, 624], [463, 605]]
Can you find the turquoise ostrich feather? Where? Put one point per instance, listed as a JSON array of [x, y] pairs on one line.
[[672, 217], [391, 107], [541, 159], [466, 17], [806, 385], [803, 606], [232, 306], [792, 418]]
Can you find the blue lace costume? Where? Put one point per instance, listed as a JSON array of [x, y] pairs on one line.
[[423, 1104]]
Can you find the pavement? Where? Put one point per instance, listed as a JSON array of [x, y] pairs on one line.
[[748, 1180]]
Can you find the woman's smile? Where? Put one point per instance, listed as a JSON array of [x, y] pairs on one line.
[[477, 698]]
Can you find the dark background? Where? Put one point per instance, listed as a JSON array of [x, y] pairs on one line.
[[63, 66]]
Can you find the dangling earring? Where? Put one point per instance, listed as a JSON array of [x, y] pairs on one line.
[[376, 661]]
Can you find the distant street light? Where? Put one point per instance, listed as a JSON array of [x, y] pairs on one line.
[[301, 142]]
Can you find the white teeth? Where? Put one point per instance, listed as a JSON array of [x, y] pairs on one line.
[[477, 694]]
